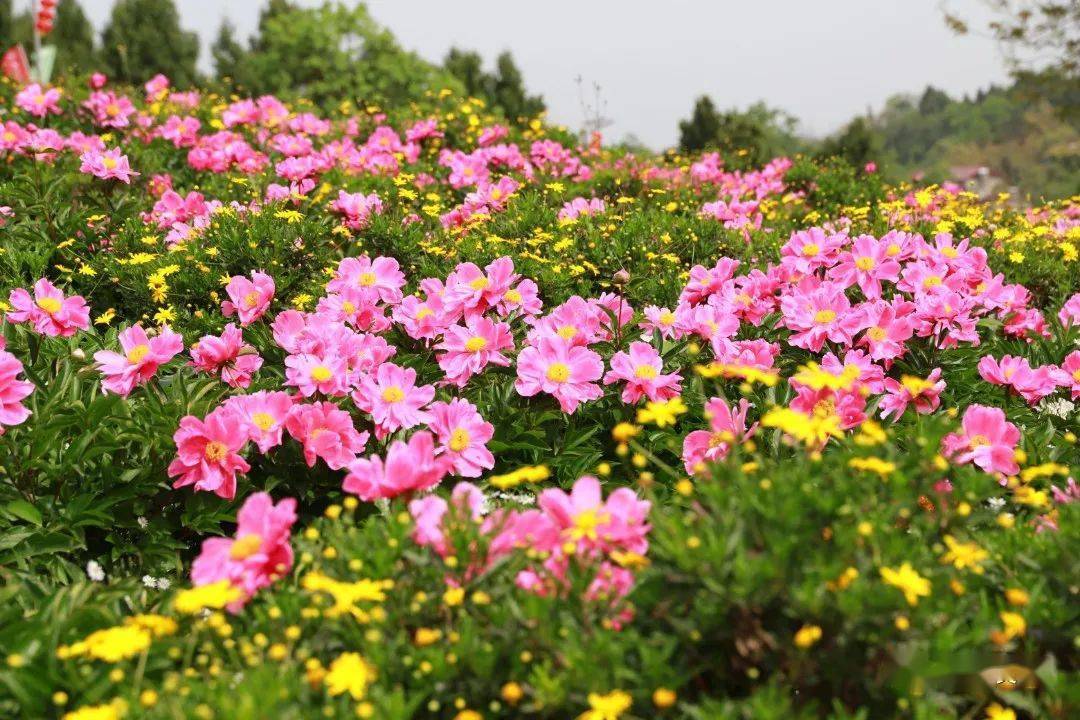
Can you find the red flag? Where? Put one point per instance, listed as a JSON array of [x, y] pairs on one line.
[[15, 65]]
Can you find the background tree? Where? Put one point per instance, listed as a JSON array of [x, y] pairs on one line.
[[745, 138], [503, 89], [1036, 34], [73, 36], [857, 143], [6, 37], [143, 38], [468, 67], [227, 53], [702, 129]]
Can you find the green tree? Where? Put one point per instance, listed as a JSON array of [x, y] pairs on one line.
[[143, 38], [468, 67], [1035, 34], [509, 91], [227, 52], [702, 129], [858, 143], [6, 36], [74, 39]]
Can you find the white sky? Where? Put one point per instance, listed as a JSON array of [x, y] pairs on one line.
[[824, 61]]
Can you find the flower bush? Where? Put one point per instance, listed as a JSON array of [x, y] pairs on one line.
[[418, 412]]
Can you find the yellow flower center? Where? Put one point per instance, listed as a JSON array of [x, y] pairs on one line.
[[424, 312], [108, 162], [263, 421], [810, 249], [512, 296], [978, 441], [722, 437], [321, 373], [667, 318], [1076, 375], [459, 440], [215, 451], [931, 281], [824, 316], [393, 394], [586, 523], [367, 279], [566, 332], [877, 334], [137, 353], [645, 372], [475, 344], [251, 300], [949, 251], [864, 263], [348, 308], [49, 304], [479, 283], [245, 546], [558, 372], [892, 250]]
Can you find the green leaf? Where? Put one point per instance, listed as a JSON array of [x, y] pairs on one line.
[[24, 510]]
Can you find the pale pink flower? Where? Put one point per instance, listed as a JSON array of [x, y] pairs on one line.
[[820, 314], [1032, 384], [808, 250], [394, 400], [311, 373], [48, 311], [727, 427], [988, 440], [39, 101], [463, 435], [429, 512], [1070, 370], [642, 369], [867, 265], [248, 299], [555, 367], [141, 357], [107, 165], [381, 278]]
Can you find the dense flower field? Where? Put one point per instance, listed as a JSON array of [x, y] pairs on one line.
[[414, 412]]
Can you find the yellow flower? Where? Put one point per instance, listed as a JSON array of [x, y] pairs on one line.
[[110, 645], [607, 707], [873, 464], [512, 693], [108, 711], [810, 430], [350, 673], [290, 216], [908, 581], [663, 413], [1015, 625], [454, 596], [1016, 596], [807, 635], [215, 596], [624, 431], [663, 698], [427, 636], [995, 711], [964, 555], [529, 473], [346, 594]]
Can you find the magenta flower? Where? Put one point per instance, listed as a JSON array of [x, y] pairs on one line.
[[227, 355], [642, 369], [48, 311], [263, 415], [463, 435], [312, 373], [808, 250], [248, 299], [380, 279], [727, 427], [259, 554], [12, 390], [141, 358], [1069, 314], [408, 468], [107, 165], [584, 519], [469, 349], [326, 432], [820, 314], [1032, 384], [888, 328], [988, 440], [39, 101], [208, 453], [1070, 373], [555, 367], [866, 264], [393, 398], [429, 512], [924, 393]]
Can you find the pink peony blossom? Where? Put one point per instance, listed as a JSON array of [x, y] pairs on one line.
[[208, 453], [727, 427], [988, 440], [248, 299], [408, 468], [326, 432], [394, 400], [142, 355], [555, 367], [463, 435], [227, 355], [48, 311], [107, 165], [642, 369], [469, 349], [12, 390]]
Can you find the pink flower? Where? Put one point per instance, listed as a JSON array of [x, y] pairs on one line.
[[408, 468], [429, 513], [248, 299], [1070, 373], [48, 311], [381, 278], [925, 393], [12, 390], [659, 319], [555, 367], [312, 373], [1033, 384], [141, 358], [584, 519], [469, 349], [726, 428], [207, 453], [260, 553], [110, 164], [357, 208], [1070, 312], [393, 398], [888, 328], [463, 435], [228, 355], [642, 369], [808, 250], [704, 281], [988, 440], [866, 264], [823, 313], [326, 432], [263, 414], [39, 101]]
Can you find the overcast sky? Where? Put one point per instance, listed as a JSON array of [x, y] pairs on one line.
[[822, 60]]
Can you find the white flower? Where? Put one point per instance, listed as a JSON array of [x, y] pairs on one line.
[[94, 571], [143, 522], [1058, 407], [163, 583], [996, 503]]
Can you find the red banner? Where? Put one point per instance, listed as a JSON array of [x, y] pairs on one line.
[[15, 65]]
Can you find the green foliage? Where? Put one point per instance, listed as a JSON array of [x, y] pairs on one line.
[[73, 36], [744, 138], [504, 89], [143, 38]]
